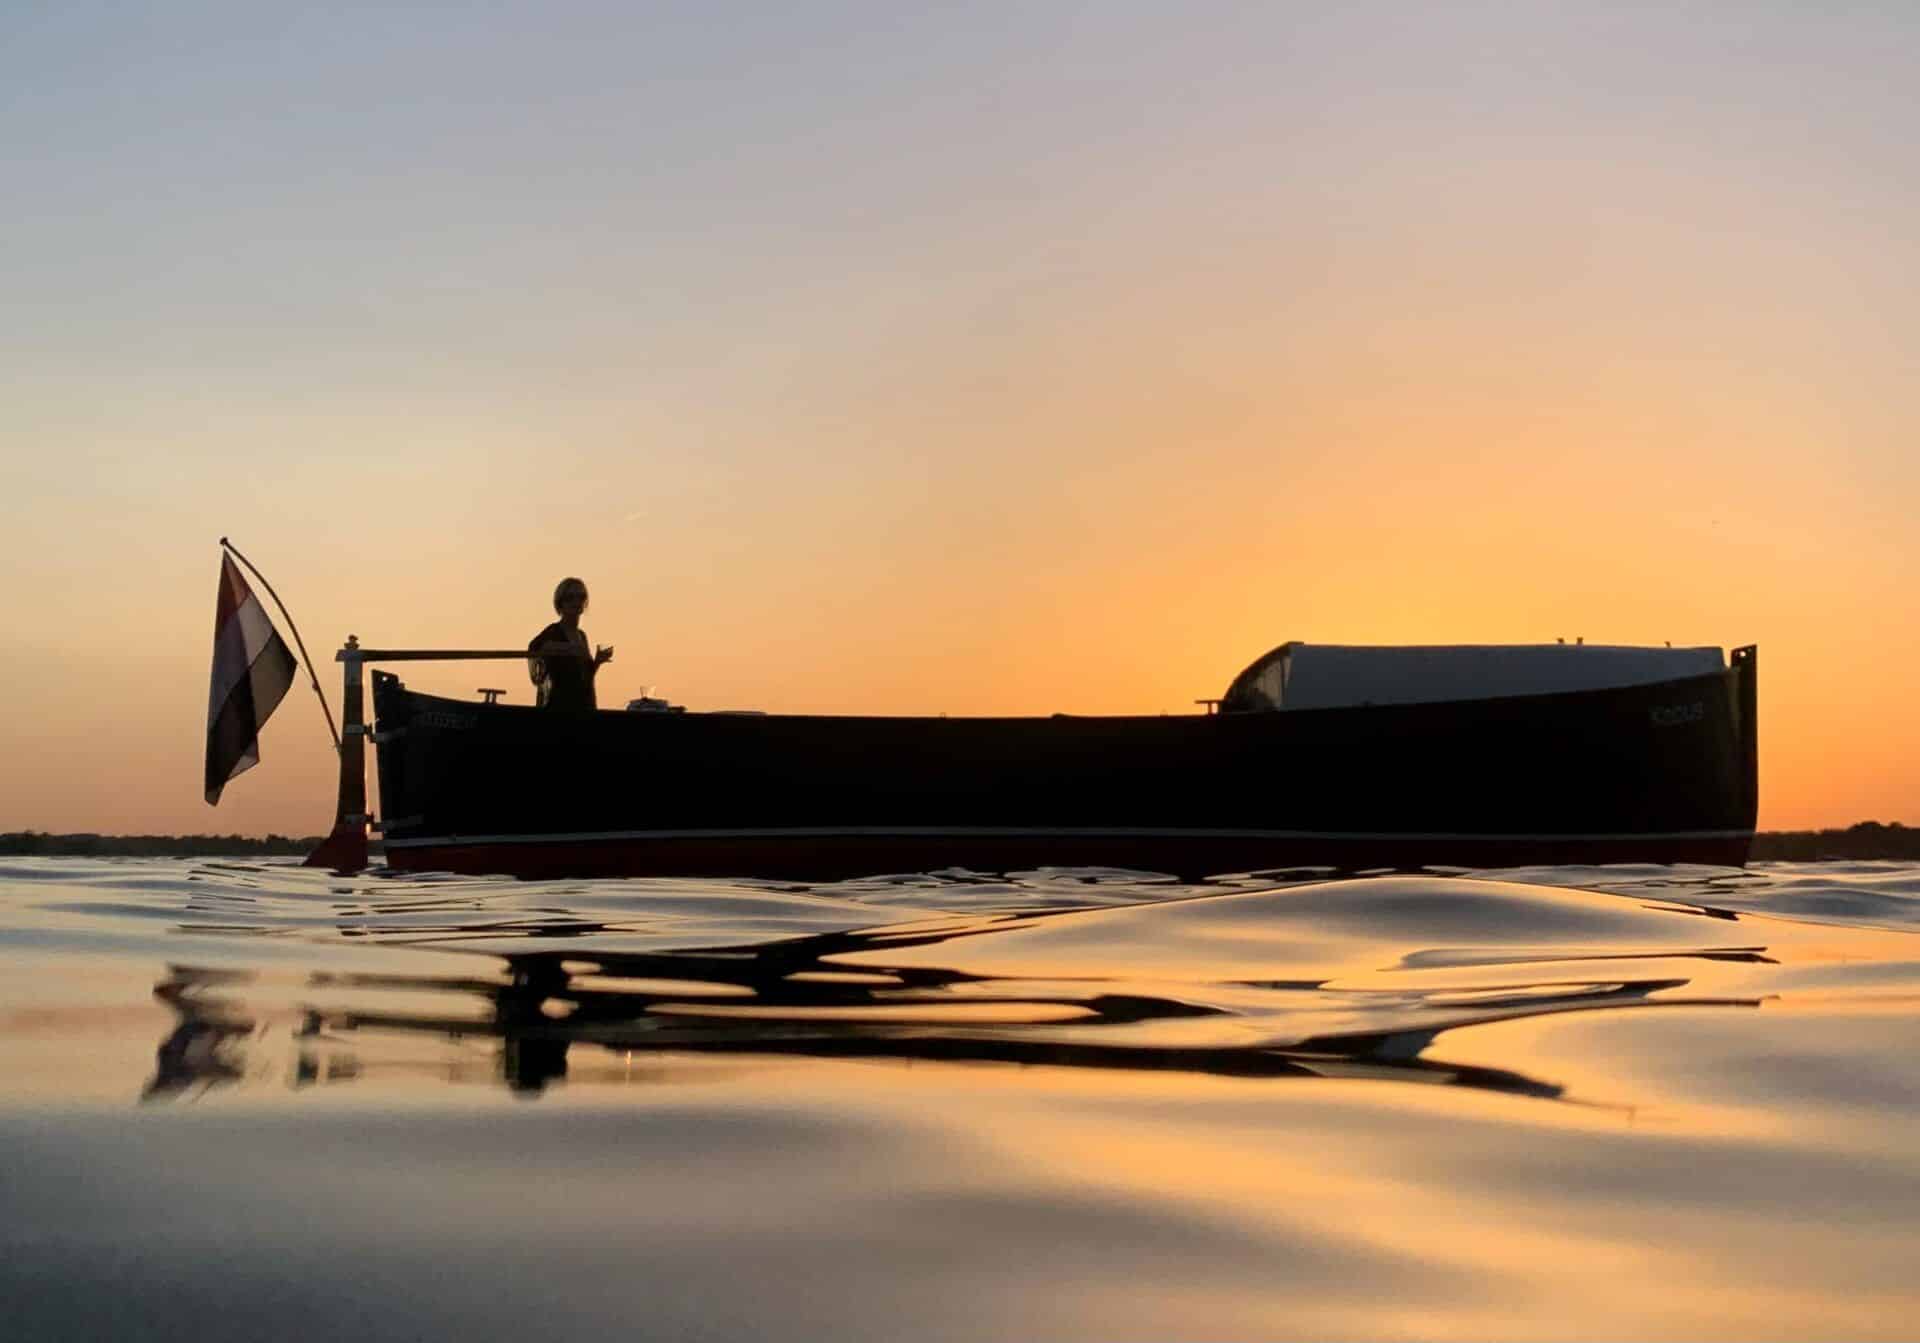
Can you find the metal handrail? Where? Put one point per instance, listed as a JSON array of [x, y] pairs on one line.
[[353, 653]]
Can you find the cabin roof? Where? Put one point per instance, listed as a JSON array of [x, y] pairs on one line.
[[1300, 675]]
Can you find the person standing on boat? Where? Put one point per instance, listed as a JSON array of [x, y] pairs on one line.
[[561, 667]]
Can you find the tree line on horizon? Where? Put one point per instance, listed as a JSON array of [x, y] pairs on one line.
[[1863, 839], [40, 844]]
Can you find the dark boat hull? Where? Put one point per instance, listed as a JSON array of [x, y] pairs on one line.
[[1652, 773]]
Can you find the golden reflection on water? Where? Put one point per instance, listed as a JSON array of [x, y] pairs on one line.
[[1507, 1112], [936, 989]]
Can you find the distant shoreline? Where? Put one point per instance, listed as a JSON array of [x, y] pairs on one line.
[[40, 844], [1862, 840]]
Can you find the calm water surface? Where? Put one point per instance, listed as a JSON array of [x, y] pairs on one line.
[[245, 1100]]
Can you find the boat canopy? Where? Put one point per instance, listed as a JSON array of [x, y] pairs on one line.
[[1331, 676]]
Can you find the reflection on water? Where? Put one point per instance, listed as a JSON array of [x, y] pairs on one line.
[[1658, 1102], [913, 998]]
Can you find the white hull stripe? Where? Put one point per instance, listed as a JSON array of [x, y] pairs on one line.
[[1041, 832]]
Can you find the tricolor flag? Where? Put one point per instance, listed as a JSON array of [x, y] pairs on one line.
[[251, 671]]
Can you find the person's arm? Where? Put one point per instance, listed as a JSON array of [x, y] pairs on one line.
[[566, 648], [561, 647]]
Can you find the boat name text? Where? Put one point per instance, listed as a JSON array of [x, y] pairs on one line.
[[1678, 715]]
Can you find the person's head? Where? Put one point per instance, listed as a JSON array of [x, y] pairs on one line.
[[570, 596]]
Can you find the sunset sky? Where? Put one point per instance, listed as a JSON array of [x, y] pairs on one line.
[[996, 358]]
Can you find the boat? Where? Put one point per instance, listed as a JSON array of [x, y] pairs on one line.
[[1351, 758]]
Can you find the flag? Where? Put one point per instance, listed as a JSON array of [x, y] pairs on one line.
[[251, 672]]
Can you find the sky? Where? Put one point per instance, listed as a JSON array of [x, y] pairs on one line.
[[986, 358]]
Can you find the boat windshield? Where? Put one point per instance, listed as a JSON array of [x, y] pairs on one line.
[[1262, 686]]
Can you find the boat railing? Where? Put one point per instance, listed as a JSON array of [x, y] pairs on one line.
[[354, 653], [345, 847]]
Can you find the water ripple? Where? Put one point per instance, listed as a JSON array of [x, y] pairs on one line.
[[1541, 1103]]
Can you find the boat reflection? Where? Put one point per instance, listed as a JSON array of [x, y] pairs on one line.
[[793, 998], [206, 1048]]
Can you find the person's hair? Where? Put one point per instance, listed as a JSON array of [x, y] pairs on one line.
[[567, 585]]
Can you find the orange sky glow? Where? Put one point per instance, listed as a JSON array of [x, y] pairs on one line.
[[978, 365]]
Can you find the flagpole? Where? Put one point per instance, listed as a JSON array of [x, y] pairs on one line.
[[325, 708]]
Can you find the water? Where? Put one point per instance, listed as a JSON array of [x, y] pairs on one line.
[[248, 1100]]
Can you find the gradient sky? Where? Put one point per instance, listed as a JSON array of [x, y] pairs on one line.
[[997, 358]]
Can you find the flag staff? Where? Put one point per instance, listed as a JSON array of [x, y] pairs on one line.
[[306, 661]]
